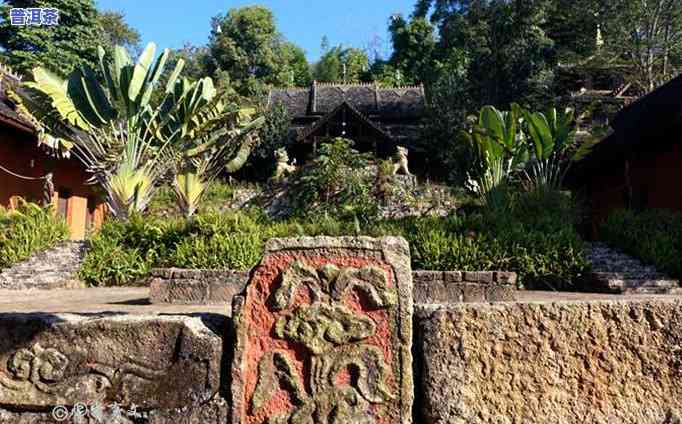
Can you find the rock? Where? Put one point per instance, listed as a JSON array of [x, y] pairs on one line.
[[324, 333], [569, 362], [155, 363]]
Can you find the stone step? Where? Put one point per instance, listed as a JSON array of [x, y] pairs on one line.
[[55, 267], [652, 290], [629, 276], [629, 285]]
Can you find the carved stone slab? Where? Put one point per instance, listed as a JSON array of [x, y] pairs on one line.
[[151, 362], [324, 334]]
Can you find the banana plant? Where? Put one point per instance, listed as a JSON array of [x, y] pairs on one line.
[[552, 137], [501, 145], [219, 138], [128, 142]]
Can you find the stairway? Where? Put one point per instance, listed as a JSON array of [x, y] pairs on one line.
[[53, 268], [617, 272]]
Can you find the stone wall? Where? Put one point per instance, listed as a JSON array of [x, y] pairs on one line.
[[186, 286], [196, 286], [562, 362], [458, 287], [569, 362]]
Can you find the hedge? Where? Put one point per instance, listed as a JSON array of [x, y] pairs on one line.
[[26, 230], [124, 252], [654, 236]]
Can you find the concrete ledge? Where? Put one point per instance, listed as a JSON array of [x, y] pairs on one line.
[[561, 362]]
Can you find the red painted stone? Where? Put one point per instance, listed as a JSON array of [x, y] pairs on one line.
[[324, 334]]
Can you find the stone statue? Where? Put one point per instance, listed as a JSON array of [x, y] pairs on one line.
[[284, 168], [401, 165], [48, 189]]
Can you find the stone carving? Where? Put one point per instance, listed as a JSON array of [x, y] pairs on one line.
[[323, 327], [320, 338], [284, 168], [43, 371], [39, 367], [402, 164], [73, 359]]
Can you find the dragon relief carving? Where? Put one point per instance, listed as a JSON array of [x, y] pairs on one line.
[[346, 376], [43, 370], [38, 367]]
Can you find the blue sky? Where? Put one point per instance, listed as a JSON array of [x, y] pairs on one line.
[[356, 23]]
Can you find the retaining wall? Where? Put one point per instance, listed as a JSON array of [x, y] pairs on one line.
[[577, 362], [533, 362], [187, 286]]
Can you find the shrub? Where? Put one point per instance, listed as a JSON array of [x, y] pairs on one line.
[[219, 241], [654, 236], [109, 262], [336, 183], [543, 251], [27, 230], [217, 195]]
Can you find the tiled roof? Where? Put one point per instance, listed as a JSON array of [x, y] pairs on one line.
[[8, 114], [369, 99]]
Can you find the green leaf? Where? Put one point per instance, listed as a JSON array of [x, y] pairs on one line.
[[56, 89], [97, 97], [141, 68], [170, 85], [541, 134]]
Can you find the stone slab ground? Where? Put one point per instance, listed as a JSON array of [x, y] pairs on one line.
[[135, 300]]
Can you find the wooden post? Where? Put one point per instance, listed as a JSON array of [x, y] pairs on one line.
[[76, 217]]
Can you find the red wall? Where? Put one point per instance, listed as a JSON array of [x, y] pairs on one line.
[[79, 202], [19, 153], [655, 178]]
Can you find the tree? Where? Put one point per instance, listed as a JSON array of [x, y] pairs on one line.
[[58, 48], [349, 65], [510, 57], [648, 34], [246, 45], [414, 47], [294, 70], [118, 32]]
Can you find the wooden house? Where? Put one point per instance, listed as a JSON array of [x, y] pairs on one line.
[[376, 118], [34, 172], [639, 165]]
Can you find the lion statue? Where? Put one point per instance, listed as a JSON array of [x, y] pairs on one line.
[[401, 165], [284, 168]]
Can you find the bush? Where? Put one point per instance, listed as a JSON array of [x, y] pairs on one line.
[[544, 250], [27, 230], [217, 196], [336, 183], [109, 262], [654, 236]]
